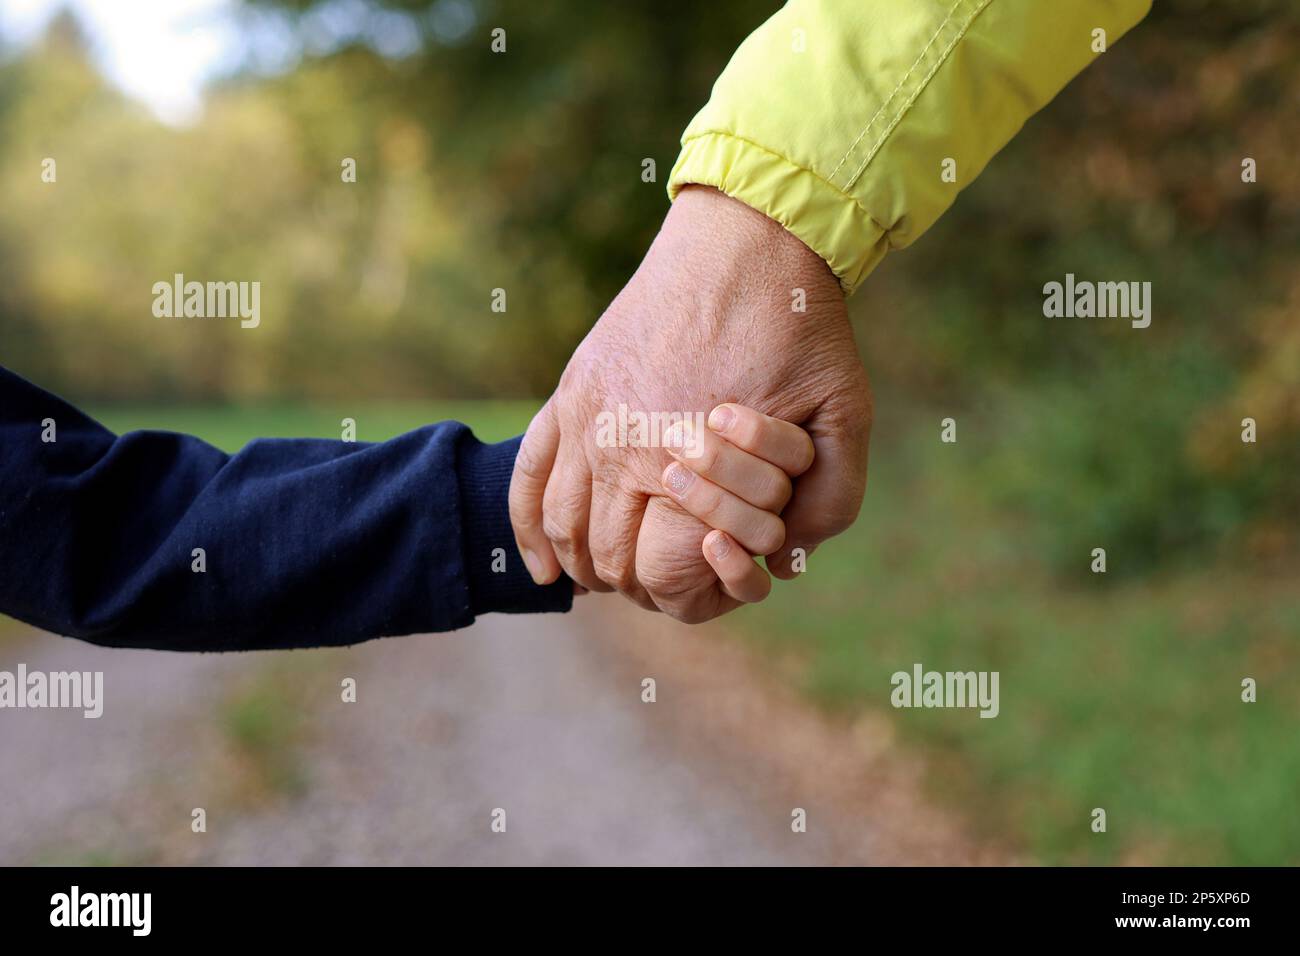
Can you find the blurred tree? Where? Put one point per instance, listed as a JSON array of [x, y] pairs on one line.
[[522, 170]]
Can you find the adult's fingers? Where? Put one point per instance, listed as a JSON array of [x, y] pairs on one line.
[[828, 496], [566, 515], [670, 564], [740, 575], [527, 493], [616, 515]]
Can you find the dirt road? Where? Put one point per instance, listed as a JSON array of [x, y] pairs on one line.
[[539, 717]]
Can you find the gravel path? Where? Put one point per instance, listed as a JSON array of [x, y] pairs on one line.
[[541, 717]]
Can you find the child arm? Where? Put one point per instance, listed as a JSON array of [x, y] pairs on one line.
[[155, 539]]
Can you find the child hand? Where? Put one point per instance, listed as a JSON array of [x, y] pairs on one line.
[[735, 476]]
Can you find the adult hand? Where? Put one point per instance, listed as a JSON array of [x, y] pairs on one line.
[[708, 318]]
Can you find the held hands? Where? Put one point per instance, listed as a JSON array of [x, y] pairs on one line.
[[708, 318]]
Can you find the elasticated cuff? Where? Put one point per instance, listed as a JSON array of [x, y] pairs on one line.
[[494, 570], [825, 219]]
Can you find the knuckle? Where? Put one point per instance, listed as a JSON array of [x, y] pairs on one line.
[[614, 570], [749, 430], [704, 459], [528, 463], [708, 505], [663, 582], [666, 577], [804, 454], [563, 535], [670, 563], [689, 613], [641, 598], [770, 536], [775, 492], [834, 519], [692, 606]]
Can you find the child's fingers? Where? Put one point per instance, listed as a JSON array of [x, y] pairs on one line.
[[740, 574], [787, 446], [711, 456], [761, 532]]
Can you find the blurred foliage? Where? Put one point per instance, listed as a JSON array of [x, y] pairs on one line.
[[231, 427], [523, 171], [1105, 434], [475, 171], [1129, 700]]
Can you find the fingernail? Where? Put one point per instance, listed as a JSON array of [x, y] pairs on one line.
[[720, 418], [719, 544], [678, 478], [534, 566]]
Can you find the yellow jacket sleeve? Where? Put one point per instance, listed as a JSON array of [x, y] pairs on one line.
[[837, 117]]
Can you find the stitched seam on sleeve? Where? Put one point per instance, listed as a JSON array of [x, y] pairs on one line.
[[942, 59], [890, 98], [790, 162]]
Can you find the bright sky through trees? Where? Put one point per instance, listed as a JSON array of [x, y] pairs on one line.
[[160, 54]]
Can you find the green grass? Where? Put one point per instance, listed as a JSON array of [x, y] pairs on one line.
[[1121, 693], [231, 427], [264, 728]]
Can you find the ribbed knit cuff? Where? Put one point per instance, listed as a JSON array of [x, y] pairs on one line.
[[497, 582]]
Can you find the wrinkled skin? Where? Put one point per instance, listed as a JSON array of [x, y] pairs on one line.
[[707, 318]]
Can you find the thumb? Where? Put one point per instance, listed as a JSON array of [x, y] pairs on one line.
[[828, 495], [527, 489]]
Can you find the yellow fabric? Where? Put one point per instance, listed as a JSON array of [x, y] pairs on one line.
[[835, 116]]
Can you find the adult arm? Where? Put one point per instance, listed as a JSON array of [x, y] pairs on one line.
[[835, 117], [304, 542], [824, 145]]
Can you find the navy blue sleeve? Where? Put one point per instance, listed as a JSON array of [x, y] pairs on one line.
[[304, 542]]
